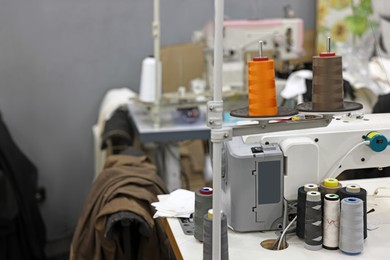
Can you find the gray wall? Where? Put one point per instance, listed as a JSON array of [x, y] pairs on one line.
[[59, 57]]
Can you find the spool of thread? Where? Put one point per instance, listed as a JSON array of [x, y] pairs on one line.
[[148, 80], [208, 233], [331, 221], [261, 87], [351, 225], [331, 186], [301, 208], [355, 191], [327, 90], [203, 202], [313, 221], [378, 142]]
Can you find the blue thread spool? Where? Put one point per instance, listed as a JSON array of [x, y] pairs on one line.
[[351, 226], [355, 191]]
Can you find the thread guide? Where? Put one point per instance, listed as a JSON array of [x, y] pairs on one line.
[[328, 52], [260, 57]]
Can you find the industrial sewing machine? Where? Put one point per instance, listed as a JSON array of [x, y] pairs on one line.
[[252, 177], [262, 171], [259, 171], [283, 39]]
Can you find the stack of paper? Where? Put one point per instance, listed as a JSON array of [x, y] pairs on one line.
[[179, 203]]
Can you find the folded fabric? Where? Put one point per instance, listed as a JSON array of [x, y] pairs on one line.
[[296, 84], [179, 203]]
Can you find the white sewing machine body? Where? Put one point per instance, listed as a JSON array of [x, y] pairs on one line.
[[308, 156]]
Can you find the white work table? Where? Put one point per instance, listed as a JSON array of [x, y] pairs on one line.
[[247, 245]]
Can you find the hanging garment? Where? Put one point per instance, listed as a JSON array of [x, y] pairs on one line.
[[127, 184], [22, 230]]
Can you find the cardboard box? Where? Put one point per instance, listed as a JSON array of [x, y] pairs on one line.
[[181, 63]]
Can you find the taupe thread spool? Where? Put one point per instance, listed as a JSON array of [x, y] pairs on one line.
[[301, 207], [313, 221], [327, 89], [203, 202], [208, 234]]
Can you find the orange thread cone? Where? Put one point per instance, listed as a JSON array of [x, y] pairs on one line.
[[261, 88]]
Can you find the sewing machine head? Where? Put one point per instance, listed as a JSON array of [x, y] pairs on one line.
[[311, 155], [283, 36], [263, 170], [283, 39]]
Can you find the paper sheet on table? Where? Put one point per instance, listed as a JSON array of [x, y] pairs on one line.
[[179, 203], [380, 202]]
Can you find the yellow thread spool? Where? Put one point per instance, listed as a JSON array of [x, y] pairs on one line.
[[331, 186], [331, 182], [210, 214], [372, 134]]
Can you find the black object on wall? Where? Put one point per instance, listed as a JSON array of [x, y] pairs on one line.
[[22, 231]]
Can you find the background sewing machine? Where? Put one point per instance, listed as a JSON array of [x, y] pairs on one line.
[[282, 38], [187, 71], [261, 170]]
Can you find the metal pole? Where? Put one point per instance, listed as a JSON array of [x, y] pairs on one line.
[[156, 51], [217, 146], [218, 49], [156, 47]]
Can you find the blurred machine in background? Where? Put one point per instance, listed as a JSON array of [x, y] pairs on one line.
[[282, 40], [382, 8]]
